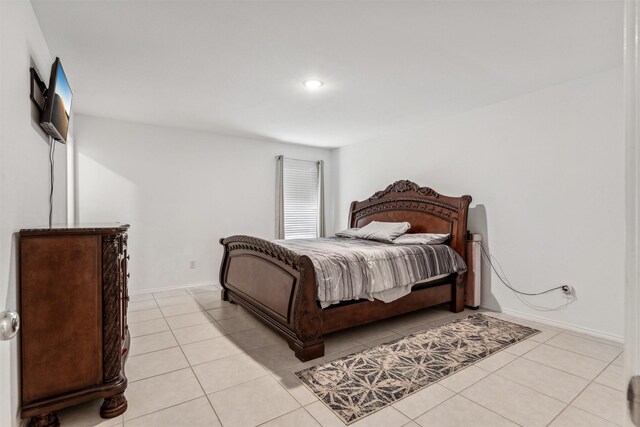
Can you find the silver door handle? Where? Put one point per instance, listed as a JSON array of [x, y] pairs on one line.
[[9, 324]]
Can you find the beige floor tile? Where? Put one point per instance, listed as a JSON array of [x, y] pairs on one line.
[[160, 392], [550, 381], [166, 302], [227, 372], [170, 293], [418, 403], [212, 349], [257, 338], [200, 332], [602, 401], [387, 417], [612, 376], [186, 308], [574, 417], [573, 363], [522, 347], [368, 333], [495, 361], [252, 403], [294, 386], [240, 324], [195, 413], [463, 379], [298, 418], [86, 415], [619, 361], [300, 365], [148, 327], [585, 347], [211, 304], [338, 342], [543, 336], [595, 338], [207, 296], [428, 315], [514, 401], [141, 305], [407, 324], [228, 311], [459, 412], [206, 293], [156, 363], [277, 357], [411, 424], [191, 319], [144, 315], [147, 296], [152, 342], [204, 289]]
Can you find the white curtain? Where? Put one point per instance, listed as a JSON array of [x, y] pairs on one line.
[[279, 197], [320, 198]]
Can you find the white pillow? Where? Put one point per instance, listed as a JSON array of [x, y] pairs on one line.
[[421, 239], [383, 231], [349, 232]]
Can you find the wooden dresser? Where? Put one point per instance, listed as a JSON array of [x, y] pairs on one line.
[[74, 339]]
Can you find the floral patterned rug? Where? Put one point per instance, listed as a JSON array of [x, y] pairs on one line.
[[362, 383]]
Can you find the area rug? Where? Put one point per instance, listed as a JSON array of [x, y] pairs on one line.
[[362, 383]]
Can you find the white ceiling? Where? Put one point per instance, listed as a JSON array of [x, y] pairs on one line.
[[237, 67]]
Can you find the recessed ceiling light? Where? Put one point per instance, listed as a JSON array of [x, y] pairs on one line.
[[313, 84]]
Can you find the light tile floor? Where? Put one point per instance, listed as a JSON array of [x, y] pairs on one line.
[[198, 361]]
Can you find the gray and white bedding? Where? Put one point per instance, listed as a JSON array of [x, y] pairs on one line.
[[349, 269]]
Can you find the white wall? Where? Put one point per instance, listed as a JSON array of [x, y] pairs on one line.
[[546, 172], [181, 191], [24, 169]]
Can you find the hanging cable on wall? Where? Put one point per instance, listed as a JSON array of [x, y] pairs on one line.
[[52, 153], [570, 298]]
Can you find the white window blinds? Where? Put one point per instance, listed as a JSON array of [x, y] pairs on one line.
[[301, 198]]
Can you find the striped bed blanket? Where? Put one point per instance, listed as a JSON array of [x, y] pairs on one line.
[[349, 268]]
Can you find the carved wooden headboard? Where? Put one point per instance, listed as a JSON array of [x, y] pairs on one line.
[[426, 211]]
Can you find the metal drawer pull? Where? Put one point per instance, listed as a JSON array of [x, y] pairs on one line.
[[9, 324]]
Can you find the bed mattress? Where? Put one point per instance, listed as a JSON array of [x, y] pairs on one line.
[[348, 269]]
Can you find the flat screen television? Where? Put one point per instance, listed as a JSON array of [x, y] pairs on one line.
[[57, 106]]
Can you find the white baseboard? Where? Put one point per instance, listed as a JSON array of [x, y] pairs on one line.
[[569, 326], [171, 288]]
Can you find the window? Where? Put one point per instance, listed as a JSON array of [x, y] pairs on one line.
[[300, 204]]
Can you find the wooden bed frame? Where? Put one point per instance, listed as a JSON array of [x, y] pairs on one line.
[[279, 287]]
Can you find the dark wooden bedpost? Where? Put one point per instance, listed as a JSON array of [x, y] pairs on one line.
[[457, 293], [308, 315], [459, 243], [223, 292]]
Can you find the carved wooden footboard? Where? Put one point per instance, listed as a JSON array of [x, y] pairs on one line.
[[279, 286], [276, 285]]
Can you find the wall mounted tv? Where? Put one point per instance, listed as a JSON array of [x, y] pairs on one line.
[[57, 106]]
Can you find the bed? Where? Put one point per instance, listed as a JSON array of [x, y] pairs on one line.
[[278, 285]]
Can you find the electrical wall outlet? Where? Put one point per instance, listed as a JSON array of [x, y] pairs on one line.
[[192, 265], [567, 289]]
